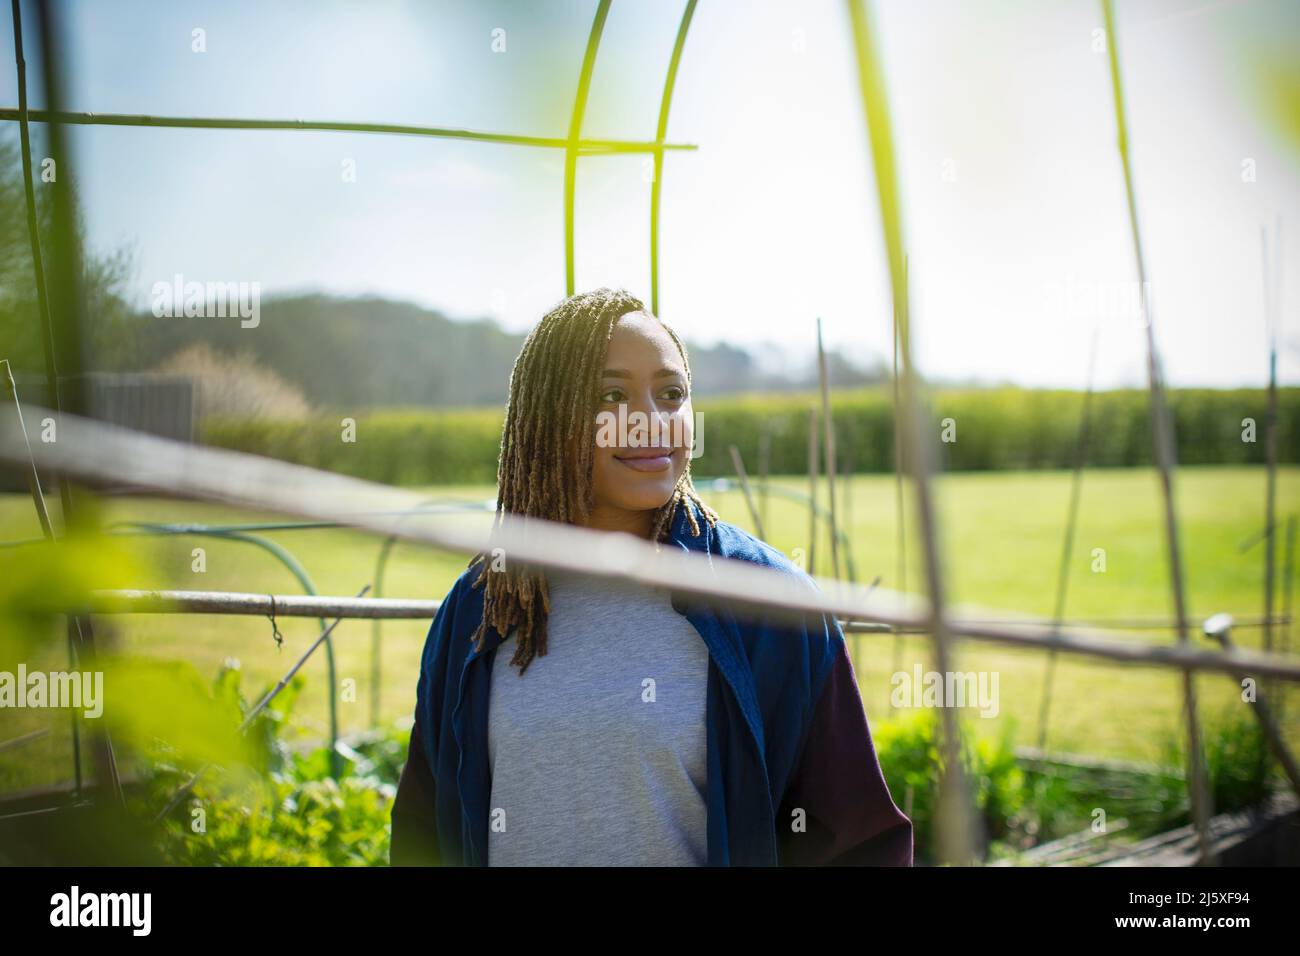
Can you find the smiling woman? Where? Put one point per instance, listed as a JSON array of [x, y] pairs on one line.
[[588, 354], [640, 726], [645, 395]]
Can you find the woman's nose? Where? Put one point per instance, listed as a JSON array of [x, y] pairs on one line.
[[653, 426]]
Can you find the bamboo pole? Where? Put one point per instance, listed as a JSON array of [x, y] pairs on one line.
[[58, 316], [813, 454], [33, 230], [132, 601], [1288, 579], [1270, 448], [1029, 634], [47, 530], [1162, 439], [900, 523], [828, 445], [846, 496], [956, 815], [1067, 548], [1270, 459], [739, 464], [13, 743]]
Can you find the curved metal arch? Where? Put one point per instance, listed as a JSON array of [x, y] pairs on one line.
[[285, 557], [656, 187], [575, 133]]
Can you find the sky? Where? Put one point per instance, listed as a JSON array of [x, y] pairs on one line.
[[1013, 197]]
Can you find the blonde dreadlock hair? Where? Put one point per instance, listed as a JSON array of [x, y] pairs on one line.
[[546, 454]]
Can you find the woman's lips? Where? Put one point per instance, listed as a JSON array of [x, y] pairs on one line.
[[646, 459]]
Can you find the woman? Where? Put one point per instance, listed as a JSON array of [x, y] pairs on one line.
[[562, 719]]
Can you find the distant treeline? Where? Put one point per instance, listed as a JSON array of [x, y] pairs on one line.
[[1004, 428], [375, 353]]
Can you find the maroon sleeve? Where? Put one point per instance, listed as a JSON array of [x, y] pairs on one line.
[[849, 816], [414, 830]]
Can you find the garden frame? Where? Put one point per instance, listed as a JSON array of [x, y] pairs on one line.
[[97, 454]]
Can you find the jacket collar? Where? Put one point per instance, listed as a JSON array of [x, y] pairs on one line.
[[679, 533]]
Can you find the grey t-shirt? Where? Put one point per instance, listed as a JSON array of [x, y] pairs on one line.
[[598, 751]]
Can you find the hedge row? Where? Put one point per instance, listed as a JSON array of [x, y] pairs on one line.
[[1004, 428]]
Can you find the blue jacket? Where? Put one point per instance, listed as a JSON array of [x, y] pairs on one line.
[[792, 773]]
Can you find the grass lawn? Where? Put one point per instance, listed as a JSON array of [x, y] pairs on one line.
[[1002, 534]]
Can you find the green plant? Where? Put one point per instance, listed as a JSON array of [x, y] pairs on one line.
[[282, 809], [910, 756], [1236, 756]]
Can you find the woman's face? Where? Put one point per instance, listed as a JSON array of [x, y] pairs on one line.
[[644, 425]]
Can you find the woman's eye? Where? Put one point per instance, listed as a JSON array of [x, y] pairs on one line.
[[612, 395], [675, 393]]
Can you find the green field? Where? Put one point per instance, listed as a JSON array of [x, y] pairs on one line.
[[1002, 540]]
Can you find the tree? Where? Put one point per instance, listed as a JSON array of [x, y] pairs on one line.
[[107, 331]]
